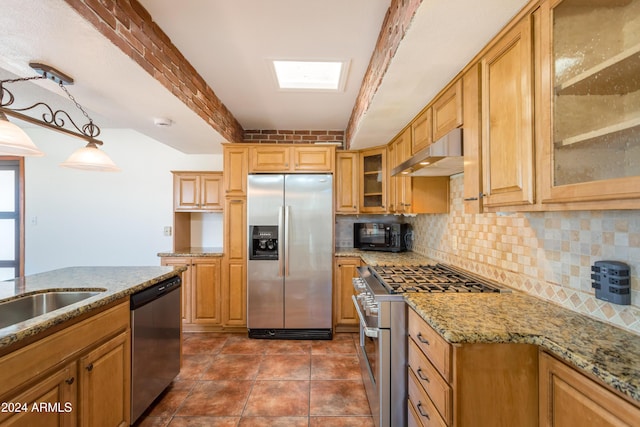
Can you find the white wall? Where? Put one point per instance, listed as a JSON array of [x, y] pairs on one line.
[[78, 218]]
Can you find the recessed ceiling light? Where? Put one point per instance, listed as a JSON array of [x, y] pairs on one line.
[[310, 75]]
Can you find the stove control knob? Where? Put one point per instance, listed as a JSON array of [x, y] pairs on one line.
[[374, 309]]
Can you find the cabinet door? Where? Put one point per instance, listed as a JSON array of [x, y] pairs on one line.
[[472, 148], [270, 159], [186, 192], [236, 168], [403, 184], [568, 399], [347, 182], [421, 131], [185, 288], [313, 159], [447, 111], [373, 176], [55, 394], [235, 295], [507, 115], [205, 298], [105, 384], [344, 311], [235, 239], [590, 102], [211, 192]]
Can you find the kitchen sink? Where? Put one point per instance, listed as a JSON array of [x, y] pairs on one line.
[[30, 306]]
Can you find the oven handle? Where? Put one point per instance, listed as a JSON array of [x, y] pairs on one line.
[[368, 331]]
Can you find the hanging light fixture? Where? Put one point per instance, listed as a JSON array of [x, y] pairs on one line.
[[15, 142]]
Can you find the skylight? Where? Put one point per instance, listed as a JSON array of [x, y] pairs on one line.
[[310, 75]]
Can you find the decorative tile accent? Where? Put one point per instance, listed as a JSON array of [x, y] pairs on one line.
[[546, 254]]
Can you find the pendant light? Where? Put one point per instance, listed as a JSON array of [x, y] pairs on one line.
[[15, 142]]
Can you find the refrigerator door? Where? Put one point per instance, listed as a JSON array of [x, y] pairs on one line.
[[265, 281], [308, 251]]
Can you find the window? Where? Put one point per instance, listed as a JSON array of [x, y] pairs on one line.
[[10, 218], [310, 75]]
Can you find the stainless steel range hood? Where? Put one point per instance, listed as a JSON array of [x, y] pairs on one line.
[[442, 158]]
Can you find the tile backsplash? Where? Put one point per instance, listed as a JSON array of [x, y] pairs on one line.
[[546, 254]]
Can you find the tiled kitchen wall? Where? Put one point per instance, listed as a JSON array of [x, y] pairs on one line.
[[547, 254]]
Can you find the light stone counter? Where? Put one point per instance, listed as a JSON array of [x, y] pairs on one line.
[[378, 258], [196, 252], [114, 282], [609, 353]]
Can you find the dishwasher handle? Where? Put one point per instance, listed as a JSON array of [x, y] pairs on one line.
[[154, 292]]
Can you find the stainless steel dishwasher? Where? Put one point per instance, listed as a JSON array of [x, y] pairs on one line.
[[155, 342]]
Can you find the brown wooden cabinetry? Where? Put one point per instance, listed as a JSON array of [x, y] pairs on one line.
[[373, 180], [236, 168], [283, 158], [568, 399], [197, 191], [447, 384], [507, 118], [473, 194], [422, 131], [447, 111], [400, 187], [344, 313], [347, 181], [84, 368], [234, 302]]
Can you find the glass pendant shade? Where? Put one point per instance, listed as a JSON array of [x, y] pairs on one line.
[[14, 141], [90, 158]]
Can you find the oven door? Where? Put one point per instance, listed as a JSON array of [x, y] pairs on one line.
[[374, 351]]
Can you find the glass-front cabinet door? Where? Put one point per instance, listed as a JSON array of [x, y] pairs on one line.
[[591, 79], [373, 170]]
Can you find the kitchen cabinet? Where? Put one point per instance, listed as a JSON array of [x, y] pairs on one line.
[[104, 397], [344, 313], [197, 191], [400, 187], [422, 131], [569, 398], [373, 180], [234, 290], [590, 62], [447, 110], [346, 182], [201, 291], [507, 118], [472, 144], [235, 169], [448, 384], [86, 365], [299, 158]]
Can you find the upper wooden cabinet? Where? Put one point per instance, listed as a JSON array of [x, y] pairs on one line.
[[346, 182], [236, 168], [447, 111], [421, 131], [471, 140], [197, 191], [400, 187], [373, 180], [507, 118], [590, 92], [284, 158]]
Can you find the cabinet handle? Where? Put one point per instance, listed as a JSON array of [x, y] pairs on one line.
[[470, 199], [422, 339], [89, 367], [422, 412], [422, 376], [286, 165], [70, 380], [297, 165]]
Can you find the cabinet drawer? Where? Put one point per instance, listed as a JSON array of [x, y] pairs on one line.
[[428, 377], [437, 350], [421, 406]]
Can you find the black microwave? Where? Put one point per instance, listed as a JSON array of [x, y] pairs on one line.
[[379, 236]]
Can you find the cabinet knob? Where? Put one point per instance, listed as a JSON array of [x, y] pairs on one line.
[[89, 367], [70, 380], [286, 165]]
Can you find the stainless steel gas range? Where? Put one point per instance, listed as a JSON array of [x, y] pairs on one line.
[[380, 304]]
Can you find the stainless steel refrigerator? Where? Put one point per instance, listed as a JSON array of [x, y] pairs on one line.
[[289, 272]]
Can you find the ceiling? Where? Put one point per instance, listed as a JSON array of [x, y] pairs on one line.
[[229, 43]]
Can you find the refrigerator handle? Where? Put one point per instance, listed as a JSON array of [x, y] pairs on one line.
[[287, 231], [281, 243]]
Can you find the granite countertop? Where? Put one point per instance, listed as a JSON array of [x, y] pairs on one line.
[[385, 258], [194, 252], [609, 353], [114, 282]]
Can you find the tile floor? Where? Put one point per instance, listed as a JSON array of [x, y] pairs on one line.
[[231, 380]]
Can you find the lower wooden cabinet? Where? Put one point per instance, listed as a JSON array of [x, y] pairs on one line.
[[79, 375], [568, 398], [201, 291], [469, 384], [345, 318]]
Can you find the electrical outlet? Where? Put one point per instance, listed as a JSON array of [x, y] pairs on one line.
[[167, 230]]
